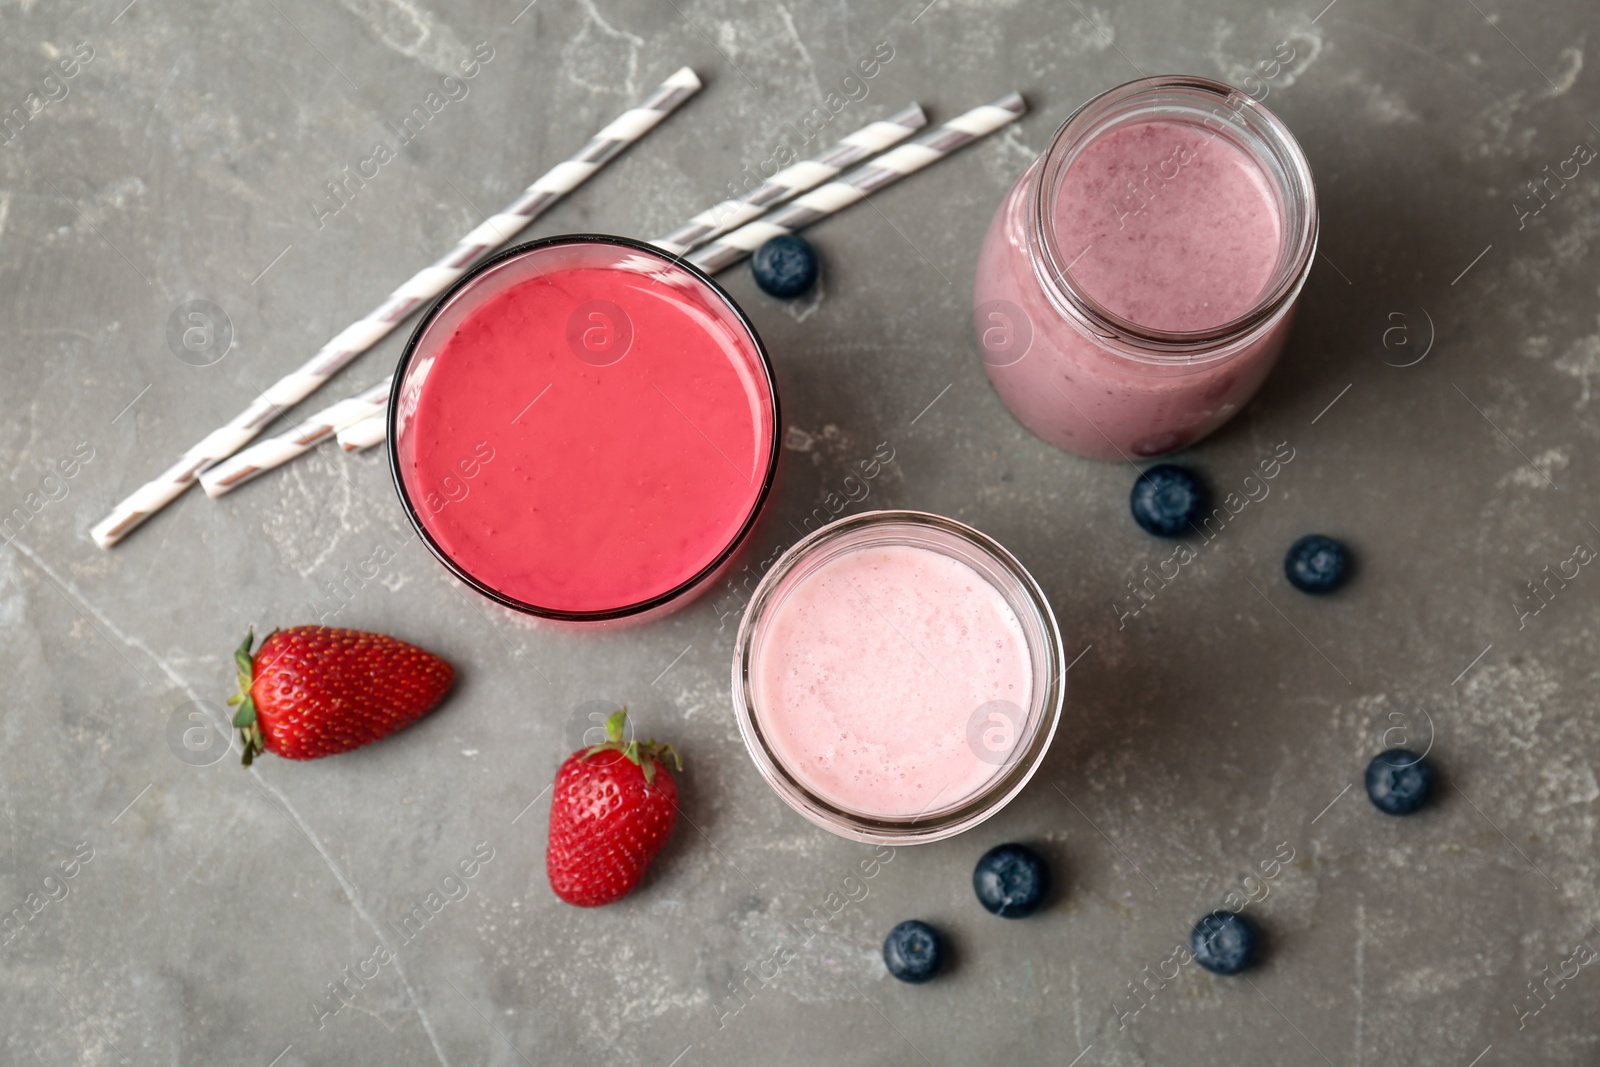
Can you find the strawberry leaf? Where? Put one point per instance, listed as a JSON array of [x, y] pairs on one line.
[[250, 740], [662, 751], [244, 720], [241, 655]]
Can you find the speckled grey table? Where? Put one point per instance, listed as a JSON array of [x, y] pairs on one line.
[[209, 911]]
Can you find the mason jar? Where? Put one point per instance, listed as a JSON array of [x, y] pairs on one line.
[[898, 677], [1138, 282]]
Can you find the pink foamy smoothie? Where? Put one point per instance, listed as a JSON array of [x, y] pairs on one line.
[[1166, 225], [869, 672], [585, 429]]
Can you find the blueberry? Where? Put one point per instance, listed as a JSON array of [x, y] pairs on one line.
[[1167, 500], [785, 266], [1399, 781], [1224, 942], [913, 951], [1316, 564], [1011, 881]]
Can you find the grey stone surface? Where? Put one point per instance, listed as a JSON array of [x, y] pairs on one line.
[[1221, 726]]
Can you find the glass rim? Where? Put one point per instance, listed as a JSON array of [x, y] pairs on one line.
[[626, 611], [981, 805], [1175, 346]]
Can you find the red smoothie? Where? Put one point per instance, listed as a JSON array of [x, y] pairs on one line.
[[585, 429]]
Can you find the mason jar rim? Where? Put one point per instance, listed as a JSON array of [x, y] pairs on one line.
[[1044, 712], [1258, 131]]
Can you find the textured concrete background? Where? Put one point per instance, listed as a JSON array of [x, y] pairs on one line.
[[1221, 727]]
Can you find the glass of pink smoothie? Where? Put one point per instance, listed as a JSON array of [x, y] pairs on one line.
[[584, 429], [897, 677], [1139, 280]]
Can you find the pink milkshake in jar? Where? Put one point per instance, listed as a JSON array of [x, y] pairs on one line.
[[1139, 280], [897, 677]]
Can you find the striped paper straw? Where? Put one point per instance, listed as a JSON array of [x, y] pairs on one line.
[[366, 433], [421, 288], [277, 450], [858, 184], [793, 180]]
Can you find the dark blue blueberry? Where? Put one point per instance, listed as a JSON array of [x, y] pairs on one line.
[[1399, 781], [1316, 564], [785, 266], [1011, 881], [913, 951], [1167, 500], [1224, 942]]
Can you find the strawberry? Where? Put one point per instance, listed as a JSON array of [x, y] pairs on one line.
[[614, 806], [312, 691]]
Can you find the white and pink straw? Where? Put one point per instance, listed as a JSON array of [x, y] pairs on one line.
[[421, 288], [279, 449], [793, 180], [860, 183]]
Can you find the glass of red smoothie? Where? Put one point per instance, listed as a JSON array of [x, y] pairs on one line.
[[584, 428], [897, 677], [1139, 280]]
